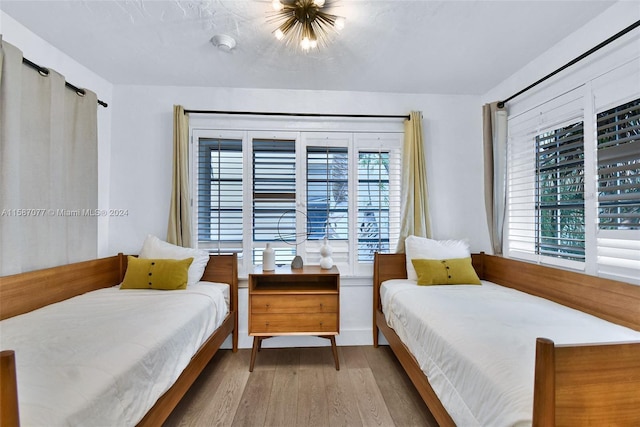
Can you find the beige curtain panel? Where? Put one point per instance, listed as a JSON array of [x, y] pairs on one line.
[[48, 169], [414, 219], [179, 229], [494, 122]]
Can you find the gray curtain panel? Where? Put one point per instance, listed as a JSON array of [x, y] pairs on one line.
[[179, 228], [494, 122], [48, 164]]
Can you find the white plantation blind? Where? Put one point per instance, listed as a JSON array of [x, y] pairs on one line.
[[327, 193], [274, 198], [616, 97], [544, 182], [327, 200], [618, 139], [618, 132], [379, 159], [378, 222], [220, 194], [619, 255], [560, 220]]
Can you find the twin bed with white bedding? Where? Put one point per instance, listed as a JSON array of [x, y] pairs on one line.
[[476, 344], [128, 349], [474, 352], [109, 356]]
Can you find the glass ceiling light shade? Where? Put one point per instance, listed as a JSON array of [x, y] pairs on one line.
[[304, 23]]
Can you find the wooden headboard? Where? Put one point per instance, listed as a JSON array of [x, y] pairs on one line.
[[615, 301], [24, 292]]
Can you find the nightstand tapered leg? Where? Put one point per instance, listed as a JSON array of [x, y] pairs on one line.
[[335, 351], [256, 342]]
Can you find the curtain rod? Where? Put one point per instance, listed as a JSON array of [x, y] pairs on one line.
[[256, 113], [45, 72], [570, 63]]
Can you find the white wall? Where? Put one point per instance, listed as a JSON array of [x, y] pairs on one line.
[[42, 53]]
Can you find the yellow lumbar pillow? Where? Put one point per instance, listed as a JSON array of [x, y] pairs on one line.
[[165, 274], [456, 271]]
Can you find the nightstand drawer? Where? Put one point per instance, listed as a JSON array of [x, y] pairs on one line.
[[294, 303], [294, 323]]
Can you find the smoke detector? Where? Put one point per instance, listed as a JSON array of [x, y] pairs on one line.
[[223, 42]]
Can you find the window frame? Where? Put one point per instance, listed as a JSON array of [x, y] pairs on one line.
[[195, 136], [559, 113], [365, 132]]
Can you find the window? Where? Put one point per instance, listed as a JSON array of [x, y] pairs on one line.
[[220, 191], [573, 182], [619, 167], [560, 228], [546, 215], [618, 180], [274, 197], [327, 193], [374, 204], [293, 190]]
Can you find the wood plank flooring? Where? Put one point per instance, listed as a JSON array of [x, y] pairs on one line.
[[301, 387]]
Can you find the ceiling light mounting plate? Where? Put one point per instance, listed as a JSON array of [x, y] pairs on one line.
[[223, 42]]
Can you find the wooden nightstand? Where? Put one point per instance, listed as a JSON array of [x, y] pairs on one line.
[[287, 301]]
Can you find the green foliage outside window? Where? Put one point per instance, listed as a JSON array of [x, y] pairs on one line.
[[560, 193]]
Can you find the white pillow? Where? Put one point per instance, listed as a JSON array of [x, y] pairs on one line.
[[423, 248], [159, 249]]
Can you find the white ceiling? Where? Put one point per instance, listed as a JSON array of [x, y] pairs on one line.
[[421, 46]]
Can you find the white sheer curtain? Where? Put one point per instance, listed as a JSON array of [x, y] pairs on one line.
[[48, 169]]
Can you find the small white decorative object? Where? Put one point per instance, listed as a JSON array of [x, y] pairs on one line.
[[326, 262], [268, 259]]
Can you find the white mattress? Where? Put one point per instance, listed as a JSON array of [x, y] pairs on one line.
[[476, 344], [105, 357]]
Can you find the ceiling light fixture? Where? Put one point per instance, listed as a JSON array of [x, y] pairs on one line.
[[304, 22]]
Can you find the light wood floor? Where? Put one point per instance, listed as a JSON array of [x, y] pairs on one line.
[[301, 387]]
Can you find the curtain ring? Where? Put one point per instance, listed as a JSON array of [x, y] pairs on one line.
[[81, 92], [43, 71]]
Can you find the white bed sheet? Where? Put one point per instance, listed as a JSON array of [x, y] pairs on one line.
[[105, 357], [476, 344]]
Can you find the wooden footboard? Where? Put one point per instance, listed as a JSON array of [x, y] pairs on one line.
[[586, 385], [591, 384], [25, 292], [9, 415]]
